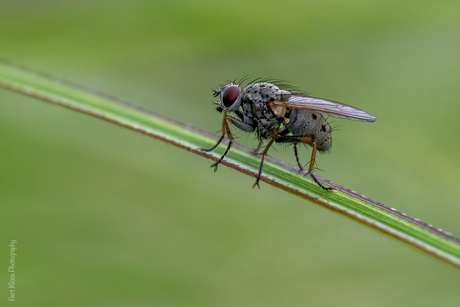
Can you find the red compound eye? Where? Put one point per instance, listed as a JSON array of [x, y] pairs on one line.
[[230, 95]]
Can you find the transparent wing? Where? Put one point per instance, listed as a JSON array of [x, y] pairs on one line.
[[332, 108]]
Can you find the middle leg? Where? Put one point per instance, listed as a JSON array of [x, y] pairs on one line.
[[264, 153]]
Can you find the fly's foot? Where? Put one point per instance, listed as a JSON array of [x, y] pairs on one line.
[[215, 165], [319, 183]]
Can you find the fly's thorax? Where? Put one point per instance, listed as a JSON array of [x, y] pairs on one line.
[[256, 99], [261, 116], [264, 92], [308, 123]]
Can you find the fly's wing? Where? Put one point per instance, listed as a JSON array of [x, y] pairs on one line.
[[325, 106]]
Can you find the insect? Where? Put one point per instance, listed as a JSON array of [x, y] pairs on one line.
[[280, 115]]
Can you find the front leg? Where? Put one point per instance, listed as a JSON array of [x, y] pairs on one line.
[[225, 130], [247, 125]]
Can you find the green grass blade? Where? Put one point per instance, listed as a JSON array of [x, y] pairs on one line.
[[366, 211]]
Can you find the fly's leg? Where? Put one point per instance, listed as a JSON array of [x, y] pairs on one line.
[[297, 157], [243, 125], [312, 164], [225, 130], [256, 150], [264, 153], [246, 125], [306, 140], [217, 144]]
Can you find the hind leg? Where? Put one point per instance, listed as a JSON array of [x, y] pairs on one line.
[[292, 139]]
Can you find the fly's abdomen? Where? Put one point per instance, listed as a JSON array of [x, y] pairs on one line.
[[308, 123]]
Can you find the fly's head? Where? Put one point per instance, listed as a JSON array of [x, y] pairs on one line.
[[230, 97]]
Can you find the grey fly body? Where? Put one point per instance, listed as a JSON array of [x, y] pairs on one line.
[[275, 114]]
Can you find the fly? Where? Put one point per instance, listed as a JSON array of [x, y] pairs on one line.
[[280, 116]]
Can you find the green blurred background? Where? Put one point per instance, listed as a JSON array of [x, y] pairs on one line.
[[103, 215]]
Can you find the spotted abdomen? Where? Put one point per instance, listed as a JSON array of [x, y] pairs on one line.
[[308, 123]]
